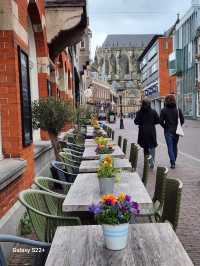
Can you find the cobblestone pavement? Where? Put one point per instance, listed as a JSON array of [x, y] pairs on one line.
[[187, 169]]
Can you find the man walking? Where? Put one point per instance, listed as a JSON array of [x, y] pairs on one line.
[[169, 121]]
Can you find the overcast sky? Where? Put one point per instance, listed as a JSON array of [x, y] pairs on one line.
[[132, 17]]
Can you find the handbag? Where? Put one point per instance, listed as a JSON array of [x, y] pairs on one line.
[[179, 130]]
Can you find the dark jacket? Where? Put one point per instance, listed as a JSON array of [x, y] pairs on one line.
[[169, 118], [146, 119]]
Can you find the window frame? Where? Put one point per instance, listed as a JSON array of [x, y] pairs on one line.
[[24, 100]]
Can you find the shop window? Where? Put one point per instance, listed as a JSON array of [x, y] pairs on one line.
[[24, 78]]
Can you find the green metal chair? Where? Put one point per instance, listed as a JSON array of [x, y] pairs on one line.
[[120, 141], [159, 195], [70, 158], [68, 145], [45, 212], [146, 169], [109, 132], [133, 158], [72, 151], [172, 202], [50, 185], [113, 134], [124, 147], [64, 172]]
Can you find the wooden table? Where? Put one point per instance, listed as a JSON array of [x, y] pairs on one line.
[[90, 132], [148, 245], [90, 153], [92, 143], [85, 191], [91, 166]]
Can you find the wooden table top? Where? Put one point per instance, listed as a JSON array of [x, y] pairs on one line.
[[91, 166], [91, 142], [90, 153], [148, 245], [85, 191]]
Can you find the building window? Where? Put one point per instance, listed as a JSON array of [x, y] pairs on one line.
[[49, 89], [82, 44], [166, 45], [24, 78]]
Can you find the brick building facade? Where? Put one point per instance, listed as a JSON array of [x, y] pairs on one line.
[[31, 67]]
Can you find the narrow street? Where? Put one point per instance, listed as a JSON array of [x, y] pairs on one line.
[[188, 170]]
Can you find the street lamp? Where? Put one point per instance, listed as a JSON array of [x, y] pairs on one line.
[[121, 113]]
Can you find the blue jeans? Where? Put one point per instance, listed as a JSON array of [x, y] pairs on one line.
[[172, 145]]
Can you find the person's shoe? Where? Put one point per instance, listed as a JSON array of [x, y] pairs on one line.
[[173, 166]]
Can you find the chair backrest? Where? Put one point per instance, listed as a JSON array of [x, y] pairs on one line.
[[120, 141], [109, 132], [172, 201], [160, 186], [133, 158], [63, 171], [146, 169], [52, 185], [124, 148], [113, 134], [39, 260], [38, 203]]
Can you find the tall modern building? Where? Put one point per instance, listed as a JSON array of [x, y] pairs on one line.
[[153, 62], [116, 62], [183, 61]]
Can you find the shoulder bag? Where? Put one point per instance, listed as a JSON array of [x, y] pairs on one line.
[[179, 130]]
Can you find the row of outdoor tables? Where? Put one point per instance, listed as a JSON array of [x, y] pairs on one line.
[[148, 244]]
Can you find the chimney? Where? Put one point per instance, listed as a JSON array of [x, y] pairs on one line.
[[195, 3]]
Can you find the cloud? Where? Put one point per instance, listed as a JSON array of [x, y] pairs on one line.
[[132, 17]]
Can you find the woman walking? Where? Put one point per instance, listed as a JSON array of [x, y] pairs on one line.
[[146, 119], [169, 121]]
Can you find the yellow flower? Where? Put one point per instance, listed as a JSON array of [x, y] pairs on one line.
[[121, 196]]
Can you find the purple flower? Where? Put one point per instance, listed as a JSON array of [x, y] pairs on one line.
[[96, 209], [128, 198], [134, 205]]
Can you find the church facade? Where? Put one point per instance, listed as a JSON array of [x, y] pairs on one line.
[[116, 62]]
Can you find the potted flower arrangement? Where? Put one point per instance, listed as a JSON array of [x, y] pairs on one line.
[[104, 149], [101, 140], [114, 214], [107, 175]]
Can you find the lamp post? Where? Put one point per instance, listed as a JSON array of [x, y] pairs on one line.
[[121, 113]]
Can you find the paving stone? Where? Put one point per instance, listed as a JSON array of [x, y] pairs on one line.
[[187, 169]]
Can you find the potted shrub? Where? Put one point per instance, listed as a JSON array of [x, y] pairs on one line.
[[114, 214], [107, 175], [51, 114]]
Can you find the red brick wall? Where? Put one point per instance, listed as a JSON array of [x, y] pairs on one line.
[[10, 105], [167, 83]]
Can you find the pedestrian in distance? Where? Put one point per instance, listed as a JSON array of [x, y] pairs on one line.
[[146, 119], [169, 121]]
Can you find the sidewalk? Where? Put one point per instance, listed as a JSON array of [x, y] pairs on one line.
[[188, 170]]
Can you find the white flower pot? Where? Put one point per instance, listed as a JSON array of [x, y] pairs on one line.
[[106, 185], [115, 236]]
